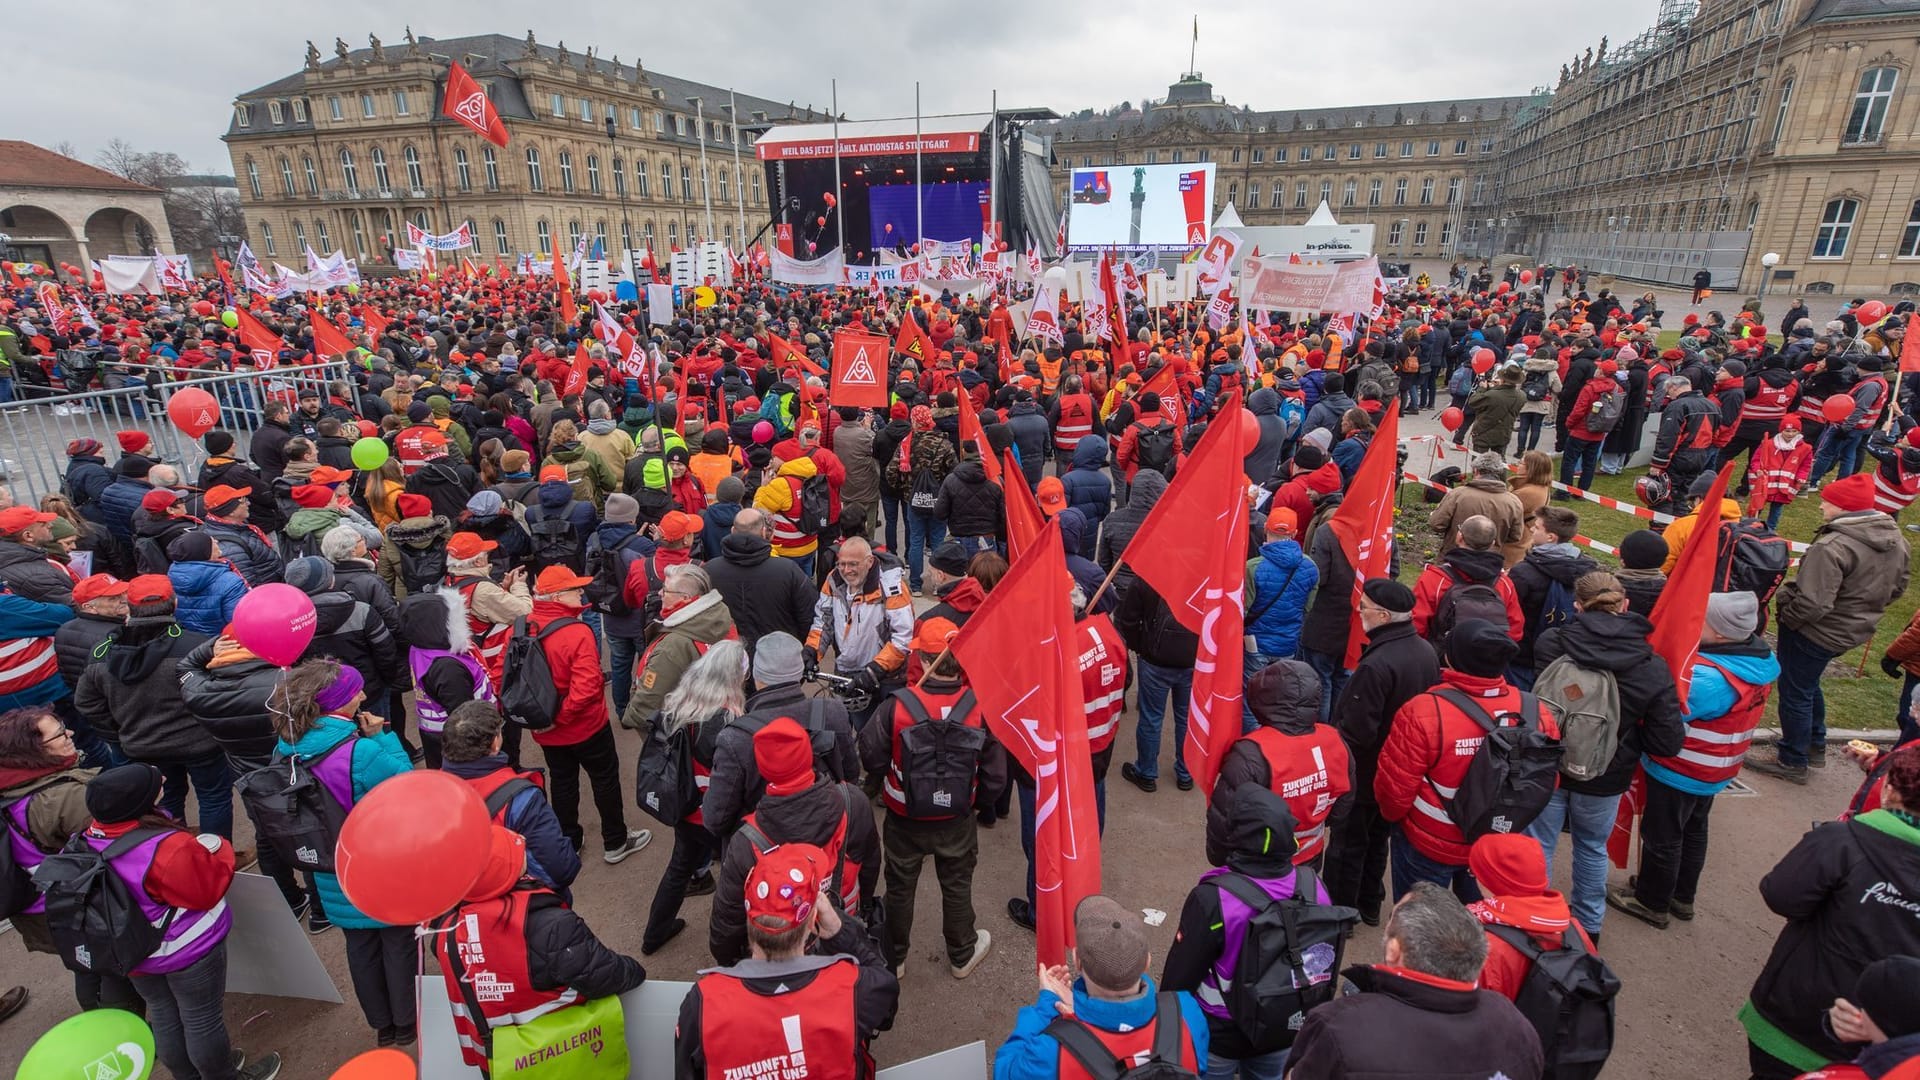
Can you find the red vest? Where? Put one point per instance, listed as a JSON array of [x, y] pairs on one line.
[[1103, 679], [1309, 772], [1715, 748], [1076, 422], [809, 1029], [1891, 497], [489, 639], [26, 662], [486, 785], [834, 848], [410, 447], [1768, 403], [489, 980], [1866, 422], [893, 789], [1131, 1048]]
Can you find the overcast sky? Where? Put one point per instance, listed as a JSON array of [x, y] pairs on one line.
[[163, 73]]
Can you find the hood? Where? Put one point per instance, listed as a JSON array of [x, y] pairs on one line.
[[1729, 510], [1021, 408], [1285, 554], [1487, 483], [331, 610], [12, 777], [1324, 480], [1871, 528], [1090, 452], [1148, 486], [308, 522], [435, 620], [196, 577], [1560, 566], [1541, 363], [1336, 401], [1286, 695], [130, 662], [1600, 641], [554, 494], [600, 427], [802, 467], [705, 618], [612, 534], [567, 453], [1480, 566], [1073, 526], [420, 533], [1263, 402], [1259, 832], [970, 471], [741, 549], [965, 597]]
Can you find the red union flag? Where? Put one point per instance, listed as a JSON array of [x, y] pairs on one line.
[[860, 370], [467, 103], [1364, 521], [263, 345], [1021, 651]]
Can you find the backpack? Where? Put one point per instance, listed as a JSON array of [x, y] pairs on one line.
[[1537, 385], [663, 783], [1556, 607], [813, 505], [1293, 947], [553, 541], [149, 557], [1153, 447], [422, 570], [1099, 1062], [1751, 558], [1588, 704], [1512, 776], [530, 698], [17, 891], [1604, 415], [1568, 997], [608, 593], [1293, 413], [938, 759], [94, 917], [293, 811], [1465, 600]]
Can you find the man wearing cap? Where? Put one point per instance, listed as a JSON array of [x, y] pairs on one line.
[[799, 804], [1857, 566], [788, 1006], [206, 590], [25, 568], [528, 973], [349, 630], [958, 594], [420, 441], [1103, 1008], [1278, 584], [446, 480], [931, 798], [247, 549], [973, 508], [87, 473], [1520, 903], [492, 608], [161, 519], [1431, 744], [734, 783], [1689, 429], [132, 697], [1289, 751], [121, 499]]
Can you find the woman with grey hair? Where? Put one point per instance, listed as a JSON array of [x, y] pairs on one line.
[[709, 695]]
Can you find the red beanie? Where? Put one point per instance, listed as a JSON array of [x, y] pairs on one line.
[[133, 442], [1509, 864], [413, 506], [1853, 493], [783, 752]]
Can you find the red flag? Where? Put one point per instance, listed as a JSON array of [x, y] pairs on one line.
[[1025, 522], [1620, 837], [262, 344], [1364, 520], [1116, 314], [1910, 346], [327, 338], [859, 370], [467, 102], [1192, 549], [576, 380], [373, 320], [1682, 611], [226, 278], [785, 353], [913, 341], [1022, 660], [563, 280], [972, 432]]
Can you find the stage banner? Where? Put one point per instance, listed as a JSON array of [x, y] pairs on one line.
[[898, 275], [660, 303], [828, 269], [461, 237]]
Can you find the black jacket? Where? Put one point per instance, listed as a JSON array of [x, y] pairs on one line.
[[27, 570], [734, 785], [81, 642], [1395, 664], [1030, 436], [87, 477], [1679, 424], [231, 701], [807, 817], [562, 951], [763, 594], [1650, 717], [350, 632], [335, 451], [269, 448], [1531, 577], [1328, 619], [1285, 696], [247, 551], [1148, 627], [1846, 890], [1438, 1033], [358, 579], [133, 696], [447, 484], [969, 503], [1117, 531]]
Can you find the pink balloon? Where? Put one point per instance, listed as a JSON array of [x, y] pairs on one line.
[[763, 432], [275, 622]]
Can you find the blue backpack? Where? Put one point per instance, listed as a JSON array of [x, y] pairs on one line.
[[1292, 415], [1556, 609]]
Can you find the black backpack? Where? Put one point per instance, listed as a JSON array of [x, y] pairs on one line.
[[1465, 600], [825, 761], [813, 508], [422, 570], [1512, 776], [554, 541], [608, 593], [92, 913], [1568, 997], [1750, 558], [17, 891], [1153, 447], [530, 698], [294, 811], [1537, 385], [663, 783], [1604, 415], [1099, 1062], [938, 759], [1293, 947]]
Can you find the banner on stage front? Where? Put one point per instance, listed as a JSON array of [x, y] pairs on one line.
[[660, 303], [828, 269], [1274, 284]]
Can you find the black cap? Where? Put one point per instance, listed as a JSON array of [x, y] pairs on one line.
[[1389, 594], [1643, 549], [1477, 647], [218, 441], [1884, 992], [191, 547], [123, 793], [949, 558]]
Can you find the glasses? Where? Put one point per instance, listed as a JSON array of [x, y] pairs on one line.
[[64, 733]]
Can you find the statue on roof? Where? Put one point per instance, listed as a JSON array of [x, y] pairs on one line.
[[1603, 46], [1587, 61], [313, 55], [340, 48], [565, 57], [413, 44], [1564, 74], [374, 44], [531, 49], [616, 65], [589, 60]]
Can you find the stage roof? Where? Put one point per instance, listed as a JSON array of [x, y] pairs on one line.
[[954, 134]]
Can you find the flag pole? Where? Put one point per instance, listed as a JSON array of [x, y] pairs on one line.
[[993, 173], [739, 176], [706, 175], [919, 191], [1108, 580], [839, 219]]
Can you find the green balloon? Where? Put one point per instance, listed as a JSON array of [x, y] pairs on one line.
[[103, 1042], [369, 454], [353, 289], [229, 318]]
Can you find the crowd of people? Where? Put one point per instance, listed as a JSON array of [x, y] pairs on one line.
[[765, 586]]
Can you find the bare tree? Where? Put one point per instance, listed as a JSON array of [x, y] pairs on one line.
[[152, 168], [65, 148]]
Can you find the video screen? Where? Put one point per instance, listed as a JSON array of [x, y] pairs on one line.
[[1131, 205]]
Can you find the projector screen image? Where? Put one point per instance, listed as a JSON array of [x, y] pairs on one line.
[[951, 211], [1123, 205]]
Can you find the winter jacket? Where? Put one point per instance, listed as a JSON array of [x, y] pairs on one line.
[[762, 594], [1429, 746], [619, 539], [854, 445], [1395, 664], [1264, 404], [780, 498], [27, 571], [1643, 588], [1463, 566], [1326, 413], [447, 484], [1495, 409], [1148, 627], [1533, 576], [1857, 566], [1290, 753], [503, 529], [116, 504], [554, 501], [247, 550], [1030, 438], [1073, 533], [679, 640], [268, 448], [1681, 528], [1142, 494], [591, 478], [87, 477], [227, 687], [1488, 497], [358, 579], [1531, 370], [1127, 454], [82, 641], [551, 859], [734, 784], [969, 503], [56, 808], [419, 543], [204, 595], [1846, 890], [375, 759], [1651, 722], [573, 658], [350, 632], [1087, 487], [1277, 587], [811, 816], [1687, 426], [1442, 1030], [132, 696]]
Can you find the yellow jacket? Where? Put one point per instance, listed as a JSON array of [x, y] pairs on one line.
[[777, 498]]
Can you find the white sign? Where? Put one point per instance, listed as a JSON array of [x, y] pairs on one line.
[[268, 950], [660, 304]]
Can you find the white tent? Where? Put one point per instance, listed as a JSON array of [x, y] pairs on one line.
[[1322, 215], [1229, 219]]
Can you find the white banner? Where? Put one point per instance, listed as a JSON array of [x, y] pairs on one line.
[[954, 249], [461, 237], [828, 269], [534, 265], [660, 303], [408, 260], [122, 274], [175, 272], [888, 277], [1275, 284]]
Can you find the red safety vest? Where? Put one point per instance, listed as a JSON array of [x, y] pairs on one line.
[[1890, 497], [1076, 422], [1767, 404], [1873, 415], [806, 1031], [26, 663], [893, 789], [1131, 1047], [1309, 772], [486, 785], [483, 958], [786, 523], [1715, 748], [849, 883], [1103, 679], [411, 448], [489, 638]]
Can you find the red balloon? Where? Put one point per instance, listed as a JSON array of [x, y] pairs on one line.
[[1870, 312], [368, 429], [1503, 288], [382, 1064], [1837, 408], [203, 308], [821, 220], [1526, 277], [1249, 427], [829, 199], [1002, 246], [193, 411], [1482, 361], [1451, 418], [414, 820], [888, 230]]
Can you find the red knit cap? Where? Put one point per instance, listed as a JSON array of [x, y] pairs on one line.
[[1853, 493], [1509, 864], [133, 442], [783, 752], [784, 885], [411, 505]]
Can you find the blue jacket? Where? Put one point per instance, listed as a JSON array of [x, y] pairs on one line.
[[718, 522], [376, 759], [1348, 453], [253, 558], [24, 618], [1088, 488], [551, 859], [116, 505], [1709, 699], [1031, 1054], [204, 595], [1283, 577]]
